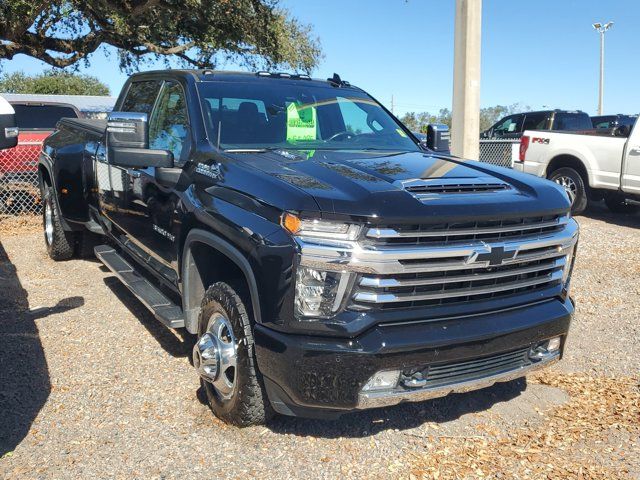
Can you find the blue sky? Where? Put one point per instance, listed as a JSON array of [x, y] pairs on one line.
[[539, 53]]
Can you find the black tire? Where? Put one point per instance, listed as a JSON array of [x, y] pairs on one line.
[[59, 242], [573, 182], [248, 404], [85, 243], [618, 204]]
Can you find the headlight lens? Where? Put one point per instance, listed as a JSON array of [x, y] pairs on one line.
[[568, 267], [316, 228], [319, 293]]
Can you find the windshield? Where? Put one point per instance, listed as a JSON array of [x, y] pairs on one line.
[[275, 114]]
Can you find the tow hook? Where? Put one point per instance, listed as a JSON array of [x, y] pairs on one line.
[[415, 380]]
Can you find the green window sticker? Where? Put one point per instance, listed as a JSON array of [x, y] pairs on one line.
[[301, 123], [401, 133]]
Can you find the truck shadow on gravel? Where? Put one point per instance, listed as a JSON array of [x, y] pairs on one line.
[[598, 211], [177, 343], [402, 417], [24, 374]]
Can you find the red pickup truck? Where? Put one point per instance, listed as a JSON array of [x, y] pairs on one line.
[[18, 165], [35, 121]]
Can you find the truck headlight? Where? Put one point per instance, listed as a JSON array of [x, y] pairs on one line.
[[321, 229], [320, 293], [568, 266]]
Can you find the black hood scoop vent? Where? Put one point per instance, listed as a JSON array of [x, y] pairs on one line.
[[447, 186]]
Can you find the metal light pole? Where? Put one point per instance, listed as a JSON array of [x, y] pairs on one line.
[[601, 29]]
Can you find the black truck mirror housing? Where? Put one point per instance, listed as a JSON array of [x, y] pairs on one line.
[[8, 128], [139, 157], [438, 138], [128, 142]]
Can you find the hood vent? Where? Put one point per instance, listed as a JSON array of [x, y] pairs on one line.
[[454, 186]]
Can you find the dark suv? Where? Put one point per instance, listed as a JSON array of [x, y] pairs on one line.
[[513, 126]]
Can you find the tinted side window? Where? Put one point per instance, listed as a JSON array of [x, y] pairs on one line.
[[168, 123], [534, 121], [141, 96], [45, 117], [512, 124], [628, 121], [572, 121]]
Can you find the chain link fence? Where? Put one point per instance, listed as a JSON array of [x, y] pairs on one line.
[[19, 190], [499, 152]]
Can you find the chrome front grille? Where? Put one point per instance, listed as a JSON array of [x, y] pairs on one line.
[[442, 287], [449, 264], [503, 262]]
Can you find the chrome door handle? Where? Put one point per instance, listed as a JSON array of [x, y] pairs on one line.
[[133, 173]]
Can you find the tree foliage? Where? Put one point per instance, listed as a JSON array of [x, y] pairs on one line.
[[490, 115], [418, 122], [195, 33], [52, 82]]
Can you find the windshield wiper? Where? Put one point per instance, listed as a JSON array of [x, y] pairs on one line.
[[247, 150]]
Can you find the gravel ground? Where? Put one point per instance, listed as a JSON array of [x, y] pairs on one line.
[[92, 386]]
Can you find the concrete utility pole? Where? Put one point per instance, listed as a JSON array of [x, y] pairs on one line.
[[465, 122], [601, 29]]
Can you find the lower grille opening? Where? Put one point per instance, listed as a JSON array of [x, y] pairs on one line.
[[443, 374]]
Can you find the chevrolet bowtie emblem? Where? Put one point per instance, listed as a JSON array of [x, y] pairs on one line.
[[495, 256]]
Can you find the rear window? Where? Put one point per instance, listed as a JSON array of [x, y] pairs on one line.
[[572, 121], [41, 117]]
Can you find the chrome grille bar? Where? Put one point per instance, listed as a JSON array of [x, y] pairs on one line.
[[375, 282], [373, 297], [389, 233]]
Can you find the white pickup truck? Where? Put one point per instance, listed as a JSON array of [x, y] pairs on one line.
[[588, 165]]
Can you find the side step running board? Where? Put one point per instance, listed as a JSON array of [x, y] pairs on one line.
[[164, 309]]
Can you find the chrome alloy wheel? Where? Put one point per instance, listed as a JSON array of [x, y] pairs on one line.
[[215, 356], [48, 222], [569, 186]]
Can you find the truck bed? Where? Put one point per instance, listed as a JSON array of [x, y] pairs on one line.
[[91, 125]]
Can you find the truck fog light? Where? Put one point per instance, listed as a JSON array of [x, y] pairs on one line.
[[318, 293], [554, 344], [383, 380]]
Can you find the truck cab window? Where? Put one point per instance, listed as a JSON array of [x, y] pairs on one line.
[[512, 124], [535, 121], [168, 123], [141, 96]]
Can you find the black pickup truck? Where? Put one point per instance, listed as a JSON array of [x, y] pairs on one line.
[[325, 260]]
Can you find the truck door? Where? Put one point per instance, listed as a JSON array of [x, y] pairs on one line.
[[631, 162], [144, 210]]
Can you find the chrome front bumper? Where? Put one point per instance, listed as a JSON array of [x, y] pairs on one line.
[[388, 398]]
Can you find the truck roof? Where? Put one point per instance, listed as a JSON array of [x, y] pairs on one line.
[[208, 75]]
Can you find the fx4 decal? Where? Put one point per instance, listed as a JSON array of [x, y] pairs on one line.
[[544, 141]]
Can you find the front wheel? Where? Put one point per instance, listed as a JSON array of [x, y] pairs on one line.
[[225, 360], [573, 184], [59, 242], [618, 204]]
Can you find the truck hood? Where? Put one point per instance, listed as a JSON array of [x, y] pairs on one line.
[[379, 185]]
